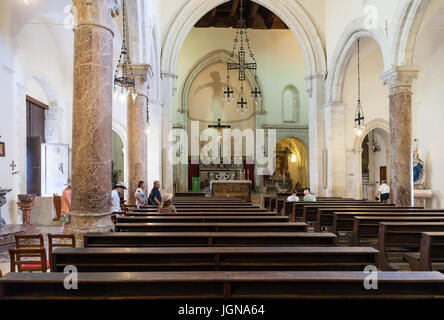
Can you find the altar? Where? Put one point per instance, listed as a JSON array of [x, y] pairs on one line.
[[231, 189]]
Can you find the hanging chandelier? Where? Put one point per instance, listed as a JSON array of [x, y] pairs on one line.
[[241, 40], [359, 115], [124, 76]]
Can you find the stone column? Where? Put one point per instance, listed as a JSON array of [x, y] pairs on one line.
[[334, 116], [137, 135], [92, 117], [316, 92], [400, 81]]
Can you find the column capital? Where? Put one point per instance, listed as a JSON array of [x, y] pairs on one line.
[[97, 13], [335, 104], [400, 76], [311, 78]]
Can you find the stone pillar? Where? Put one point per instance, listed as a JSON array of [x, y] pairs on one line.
[[137, 135], [400, 81], [92, 117], [334, 116], [316, 92], [168, 91]]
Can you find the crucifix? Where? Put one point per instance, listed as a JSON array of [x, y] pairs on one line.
[[359, 119], [256, 92], [219, 128], [13, 165], [228, 92], [242, 66]]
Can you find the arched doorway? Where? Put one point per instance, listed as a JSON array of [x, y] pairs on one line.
[[291, 166], [375, 161]]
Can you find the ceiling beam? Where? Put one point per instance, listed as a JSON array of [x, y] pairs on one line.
[[270, 20], [234, 8], [252, 14]]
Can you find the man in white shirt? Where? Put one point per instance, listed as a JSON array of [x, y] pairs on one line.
[[384, 191], [115, 197], [293, 197]]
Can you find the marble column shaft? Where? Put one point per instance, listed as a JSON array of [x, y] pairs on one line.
[[137, 136], [400, 81], [92, 116]]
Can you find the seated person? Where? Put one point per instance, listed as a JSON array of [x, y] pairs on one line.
[[115, 197], [309, 197], [140, 194], [293, 197], [155, 198], [167, 204]]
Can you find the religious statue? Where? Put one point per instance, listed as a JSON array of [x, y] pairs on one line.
[[418, 168]]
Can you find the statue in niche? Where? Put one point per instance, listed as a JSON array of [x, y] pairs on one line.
[[217, 87], [290, 104], [418, 168]]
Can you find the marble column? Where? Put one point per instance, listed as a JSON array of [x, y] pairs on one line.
[[92, 117], [137, 135], [399, 80]]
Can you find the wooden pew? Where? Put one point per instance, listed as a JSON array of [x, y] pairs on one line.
[[155, 218], [213, 227], [298, 207], [310, 211], [343, 221], [219, 213], [406, 235], [325, 214], [279, 203], [209, 209], [189, 239], [368, 227], [431, 252], [214, 258], [227, 285]]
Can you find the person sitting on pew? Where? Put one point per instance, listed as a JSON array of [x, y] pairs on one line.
[[294, 197], [309, 197], [140, 194], [167, 204], [115, 196], [155, 198]]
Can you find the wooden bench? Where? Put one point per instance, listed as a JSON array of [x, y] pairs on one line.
[[146, 219], [222, 285], [188, 239], [213, 227], [324, 217], [214, 258], [343, 221], [214, 209], [368, 227], [431, 252], [404, 235], [183, 214]]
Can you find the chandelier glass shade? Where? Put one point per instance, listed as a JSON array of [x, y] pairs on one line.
[[240, 52]]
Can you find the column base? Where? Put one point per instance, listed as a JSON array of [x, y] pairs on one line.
[[82, 223]]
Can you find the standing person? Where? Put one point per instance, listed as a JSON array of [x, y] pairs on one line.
[[66, 205], [140, 194], [309, 197], [384, 191], [167, 204], [294, 197], [115, 196], [155, 198]]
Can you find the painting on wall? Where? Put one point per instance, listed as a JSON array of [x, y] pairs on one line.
[[2, 149]]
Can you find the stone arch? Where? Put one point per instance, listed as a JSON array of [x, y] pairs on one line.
[[296, 103], [123, 134], [374, 124], [305, 149], [343, 53], [289, 11], [218, 56], [408, 21]]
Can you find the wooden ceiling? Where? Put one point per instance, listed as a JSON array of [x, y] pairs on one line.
[[227, 15]]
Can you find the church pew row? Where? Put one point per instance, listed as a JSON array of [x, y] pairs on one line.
[[218, 213], [275, 202], [368, 227], [214, 258], [396, 236], [207, 209], [287, 206], [431, 252], [205, 205], [200, 218], [324, 217], [222, 285], [213, 227], [189, 239], [343, 221]]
